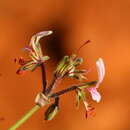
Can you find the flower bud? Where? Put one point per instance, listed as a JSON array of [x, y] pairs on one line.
[[51, 112]]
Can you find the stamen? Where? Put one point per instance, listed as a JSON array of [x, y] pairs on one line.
[[88, 41]]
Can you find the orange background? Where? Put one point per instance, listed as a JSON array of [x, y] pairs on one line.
[[105, 22]]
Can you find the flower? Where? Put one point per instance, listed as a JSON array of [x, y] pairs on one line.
[[68, 67], [35, 53], [101, 73]]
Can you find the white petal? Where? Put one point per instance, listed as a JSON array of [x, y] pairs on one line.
[[100, 69], [35, 38], [44, 33]]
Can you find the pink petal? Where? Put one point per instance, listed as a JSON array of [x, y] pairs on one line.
[[44, 33], [101, 71], [95, 94]]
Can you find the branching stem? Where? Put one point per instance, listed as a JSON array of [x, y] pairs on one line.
[[63, 91], [52, 85], [53, 95]]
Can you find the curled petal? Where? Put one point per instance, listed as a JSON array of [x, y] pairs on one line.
[[44, 33], [95, 94], [35, 38], [34, 43]]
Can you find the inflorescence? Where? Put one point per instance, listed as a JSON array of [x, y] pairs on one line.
[[67, 67]]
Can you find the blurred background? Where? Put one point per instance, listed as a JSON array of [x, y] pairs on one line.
[[105, 23]]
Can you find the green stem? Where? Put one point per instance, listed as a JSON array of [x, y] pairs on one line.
[[25, 117]]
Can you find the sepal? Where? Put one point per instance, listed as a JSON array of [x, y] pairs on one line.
[[42, 99]]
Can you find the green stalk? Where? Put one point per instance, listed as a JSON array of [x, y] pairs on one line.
[[25, 117]]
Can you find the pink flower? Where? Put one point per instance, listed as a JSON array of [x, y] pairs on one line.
[[101, 73]]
